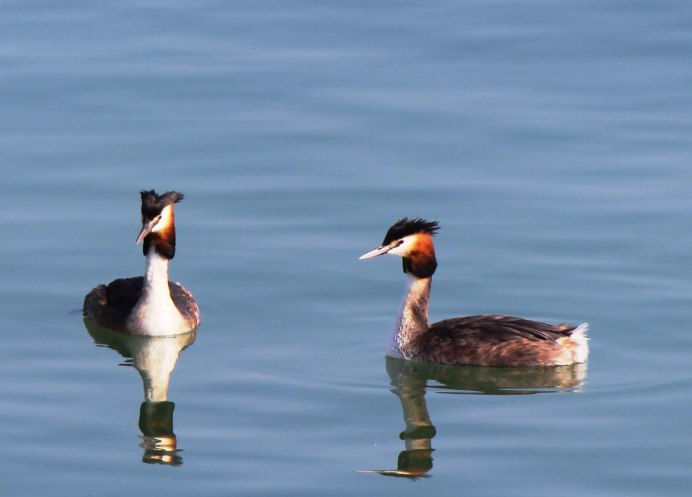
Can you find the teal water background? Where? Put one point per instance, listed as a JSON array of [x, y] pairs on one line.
[[550, 139]]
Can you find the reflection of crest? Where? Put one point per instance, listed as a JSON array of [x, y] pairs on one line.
[[410, 379], [154, 358]]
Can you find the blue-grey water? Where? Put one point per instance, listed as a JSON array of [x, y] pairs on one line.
[[552, 140]]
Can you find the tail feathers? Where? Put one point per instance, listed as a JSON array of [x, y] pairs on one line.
[[579, 338]]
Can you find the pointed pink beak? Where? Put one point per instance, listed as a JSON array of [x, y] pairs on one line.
[[147, 226], [381, 250]]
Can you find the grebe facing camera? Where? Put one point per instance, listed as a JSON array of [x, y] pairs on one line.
[[150, 304]]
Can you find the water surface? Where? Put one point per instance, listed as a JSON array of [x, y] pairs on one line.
[[550, 140]]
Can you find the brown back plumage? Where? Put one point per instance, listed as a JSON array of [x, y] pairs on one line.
[[492, 340]]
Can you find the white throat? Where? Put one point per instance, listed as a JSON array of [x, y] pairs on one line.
[[155, 314], [155, 272], [412, 320]]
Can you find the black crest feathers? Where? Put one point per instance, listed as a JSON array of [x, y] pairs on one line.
[[405, 227], [153, 203]]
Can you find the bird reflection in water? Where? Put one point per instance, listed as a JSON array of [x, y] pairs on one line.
[[409, 380], [154, 358]]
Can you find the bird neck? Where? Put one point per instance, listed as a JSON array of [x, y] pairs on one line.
[[156, 274], [412, 321]]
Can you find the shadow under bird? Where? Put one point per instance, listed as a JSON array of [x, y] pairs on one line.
[[482, 340], [150, 304]]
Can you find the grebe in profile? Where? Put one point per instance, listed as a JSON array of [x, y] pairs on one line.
[[148, 305], [486, 340]]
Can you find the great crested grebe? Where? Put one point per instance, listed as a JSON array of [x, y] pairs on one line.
[[485, 340], [148, 305]]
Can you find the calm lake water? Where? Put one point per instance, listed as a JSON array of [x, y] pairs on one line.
[[550, 139]]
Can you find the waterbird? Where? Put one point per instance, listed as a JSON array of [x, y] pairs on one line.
[[150, 304], [481, 340]]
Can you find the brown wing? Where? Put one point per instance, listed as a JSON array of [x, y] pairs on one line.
[[497, 328], [110, 305], [185, 302], [491, 340]]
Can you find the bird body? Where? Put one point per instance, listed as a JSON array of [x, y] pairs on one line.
[[481, 340]]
